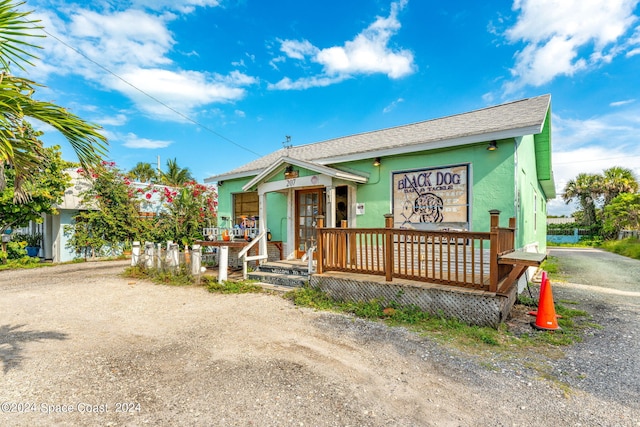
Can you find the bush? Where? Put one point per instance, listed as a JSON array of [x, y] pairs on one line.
[[627, 247], [16, 249]]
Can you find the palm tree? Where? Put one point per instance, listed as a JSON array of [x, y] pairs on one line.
[[143, 172], [585, 189], [617, 180], [175, 176], [19, 147]]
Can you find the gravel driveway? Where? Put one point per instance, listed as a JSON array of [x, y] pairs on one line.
[[80, 345]]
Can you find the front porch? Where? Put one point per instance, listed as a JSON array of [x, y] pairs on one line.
[[471, 276]]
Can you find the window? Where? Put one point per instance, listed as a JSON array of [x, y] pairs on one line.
[[245, 205]]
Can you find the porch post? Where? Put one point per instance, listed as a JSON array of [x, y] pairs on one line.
[[320, 252], [493, 258], [330, 207], [388, 252]]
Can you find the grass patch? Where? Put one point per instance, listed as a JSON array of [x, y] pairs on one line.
[[179, 277], [21, 263], [184, 278], [231, 287], [458, 334], [627, 247], [550, 265]]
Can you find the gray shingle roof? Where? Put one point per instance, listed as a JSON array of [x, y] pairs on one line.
[[517, 118]]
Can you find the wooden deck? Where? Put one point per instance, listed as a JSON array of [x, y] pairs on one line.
[[478, 260]]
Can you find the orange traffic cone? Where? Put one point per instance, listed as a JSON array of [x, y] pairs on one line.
[[543, 279], [546, 318]]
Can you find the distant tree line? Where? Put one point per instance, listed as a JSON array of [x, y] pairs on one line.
[[608, 202]]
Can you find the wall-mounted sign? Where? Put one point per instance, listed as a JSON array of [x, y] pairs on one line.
[[359, 208], [431, 199]]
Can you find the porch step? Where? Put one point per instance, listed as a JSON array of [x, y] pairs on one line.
[[289, 280], [282, 273]]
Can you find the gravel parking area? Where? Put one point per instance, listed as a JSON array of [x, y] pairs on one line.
[[80, 345]]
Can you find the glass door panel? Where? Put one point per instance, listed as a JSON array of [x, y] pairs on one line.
[[309, 204]]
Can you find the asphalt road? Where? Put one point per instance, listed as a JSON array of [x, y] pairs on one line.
[[606, 285]]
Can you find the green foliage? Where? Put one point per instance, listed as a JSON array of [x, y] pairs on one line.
[[143, 172], [451, 331], [16, 249], [606, 200], [16, 256], [20, 149], [113, 220], [45, 186], [188, 210], [311, 297], [550, 265], [232, 287], [175, 176], [622, 213], [180, 277], [112, 217], [33, 240], [627, 247], [183, 278]]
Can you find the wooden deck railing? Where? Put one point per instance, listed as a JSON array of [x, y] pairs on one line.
[[457, 258]]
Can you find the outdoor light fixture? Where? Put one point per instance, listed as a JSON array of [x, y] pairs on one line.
[[493, 146], [289, 173], [377, 162], [220, 183]]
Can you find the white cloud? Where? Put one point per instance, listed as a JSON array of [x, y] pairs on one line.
[[132, 140], [392, 106], [182, 91], [591, 146], [306, 82], [297, 49], [125, 50], [117, 120], [184, 6], [368, 53], [621, 103], [564, 37]]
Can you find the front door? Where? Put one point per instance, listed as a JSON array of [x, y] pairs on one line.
[[309, 204]]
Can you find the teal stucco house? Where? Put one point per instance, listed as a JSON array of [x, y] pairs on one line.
[[439, 174]]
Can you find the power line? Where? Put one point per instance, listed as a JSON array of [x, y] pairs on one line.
[[184, 116]]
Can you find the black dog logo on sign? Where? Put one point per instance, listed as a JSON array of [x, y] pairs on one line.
[[429, 208]]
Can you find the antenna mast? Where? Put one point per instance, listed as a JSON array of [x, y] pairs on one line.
[[287, 144]]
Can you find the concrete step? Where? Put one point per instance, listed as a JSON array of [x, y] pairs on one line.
[[289, 280], [274, 288], [285, 268]]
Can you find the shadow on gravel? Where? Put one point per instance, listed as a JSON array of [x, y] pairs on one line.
[[12, 340]]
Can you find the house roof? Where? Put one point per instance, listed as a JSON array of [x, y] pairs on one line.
[[513, 119], [73, 194], [325, 170]]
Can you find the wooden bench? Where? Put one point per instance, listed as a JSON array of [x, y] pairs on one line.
[[520, 262]]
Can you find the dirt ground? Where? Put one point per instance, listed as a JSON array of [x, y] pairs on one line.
[[80, 345]]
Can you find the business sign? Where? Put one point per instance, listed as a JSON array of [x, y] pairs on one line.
[[431, 199]]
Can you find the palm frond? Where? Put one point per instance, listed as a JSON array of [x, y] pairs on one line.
[[15, 27]]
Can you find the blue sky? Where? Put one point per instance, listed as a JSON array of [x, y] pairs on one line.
[[217, 83]]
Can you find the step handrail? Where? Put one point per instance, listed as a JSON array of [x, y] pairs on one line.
[[243, 253]]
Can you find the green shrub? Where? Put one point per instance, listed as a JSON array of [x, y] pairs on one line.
[[627, 247], [16, 249]]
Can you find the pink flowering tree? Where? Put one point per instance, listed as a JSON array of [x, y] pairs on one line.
[[121, 211], [187, 210], [111, 219]]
